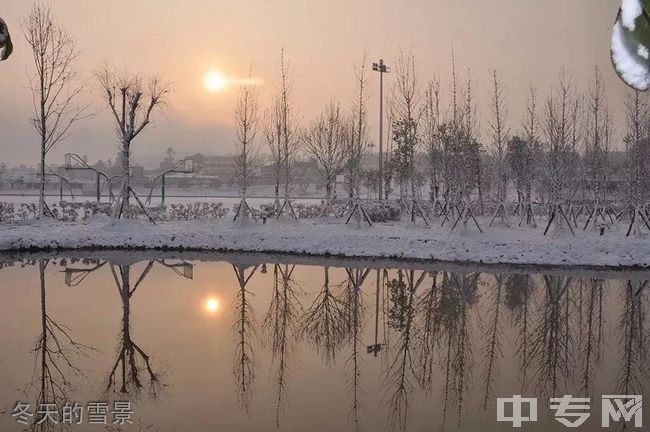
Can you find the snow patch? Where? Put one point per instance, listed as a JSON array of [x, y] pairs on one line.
[[642, 51], [630, 11], [633, 71]]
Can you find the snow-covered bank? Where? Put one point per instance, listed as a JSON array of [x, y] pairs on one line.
[[498, 245]]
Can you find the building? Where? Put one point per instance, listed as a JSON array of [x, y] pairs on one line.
[[221, 166]]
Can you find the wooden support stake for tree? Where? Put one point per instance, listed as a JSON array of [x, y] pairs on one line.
[[504, 214]]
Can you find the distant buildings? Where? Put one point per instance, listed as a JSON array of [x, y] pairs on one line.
[[220, 166]]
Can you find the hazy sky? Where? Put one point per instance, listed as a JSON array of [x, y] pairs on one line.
[[529, 41]]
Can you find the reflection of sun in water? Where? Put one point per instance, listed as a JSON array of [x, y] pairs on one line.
[[212, 305], [214, 81]]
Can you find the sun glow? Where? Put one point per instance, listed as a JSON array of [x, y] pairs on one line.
[[214, 81], [212, 305]]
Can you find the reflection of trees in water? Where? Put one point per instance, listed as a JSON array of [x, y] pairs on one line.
[[244, 330], [281, 327], [634, 343], [354, 311], [132, 371], [427, 332], [557, 323], [552, 338], [55, 351], [519, 290], [325, 323], [459, 295], [132, 361], [402, 371], [591, 332], [493, 332]]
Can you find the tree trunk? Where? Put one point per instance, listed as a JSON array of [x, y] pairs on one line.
[[126, 180], [41, 194], [41, 270]]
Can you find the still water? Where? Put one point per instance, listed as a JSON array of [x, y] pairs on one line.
[[262, 343]]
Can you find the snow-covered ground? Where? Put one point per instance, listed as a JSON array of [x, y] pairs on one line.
[[227, 201], [397, 241]]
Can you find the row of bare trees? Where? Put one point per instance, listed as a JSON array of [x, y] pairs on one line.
[[561, 152], [57, 93], [335, 140]]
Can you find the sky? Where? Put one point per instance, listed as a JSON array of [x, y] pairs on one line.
[[528, 41]]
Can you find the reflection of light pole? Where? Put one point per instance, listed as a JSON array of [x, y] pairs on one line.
[[382, 69], [374, 349]]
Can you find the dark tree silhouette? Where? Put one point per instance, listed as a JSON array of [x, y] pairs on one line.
[[428, 332], [132, 361], [634, 340], [402, 370], [519, 290], [281, 327], [244, 329], [552, 338], [591, 346], [459, 294], [55, 351], [493, 333], [354, 312], [325, 322]]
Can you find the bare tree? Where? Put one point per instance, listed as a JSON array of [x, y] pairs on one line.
[[594, 151], [558, 127], [531, 130], [472, 148], [637, 148], [560, 152], [431, 135], [522, 153], [325, 141], [406, 100], [289, 138], [132, 100], [499, 133], [246, 123], [273, 138], [55, 91], [357, 141]]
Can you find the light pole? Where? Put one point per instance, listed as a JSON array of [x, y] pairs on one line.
[[382, 69]]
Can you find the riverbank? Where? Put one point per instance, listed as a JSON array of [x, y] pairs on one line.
[[498, 245]]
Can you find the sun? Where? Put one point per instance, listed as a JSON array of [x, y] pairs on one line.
[[214, 81], [212, 305]]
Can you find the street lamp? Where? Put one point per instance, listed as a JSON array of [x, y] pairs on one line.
[[382, 69]]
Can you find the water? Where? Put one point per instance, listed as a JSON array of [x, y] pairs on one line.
[[259, 343]]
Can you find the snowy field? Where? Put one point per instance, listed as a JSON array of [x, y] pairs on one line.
[[317, 237]]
